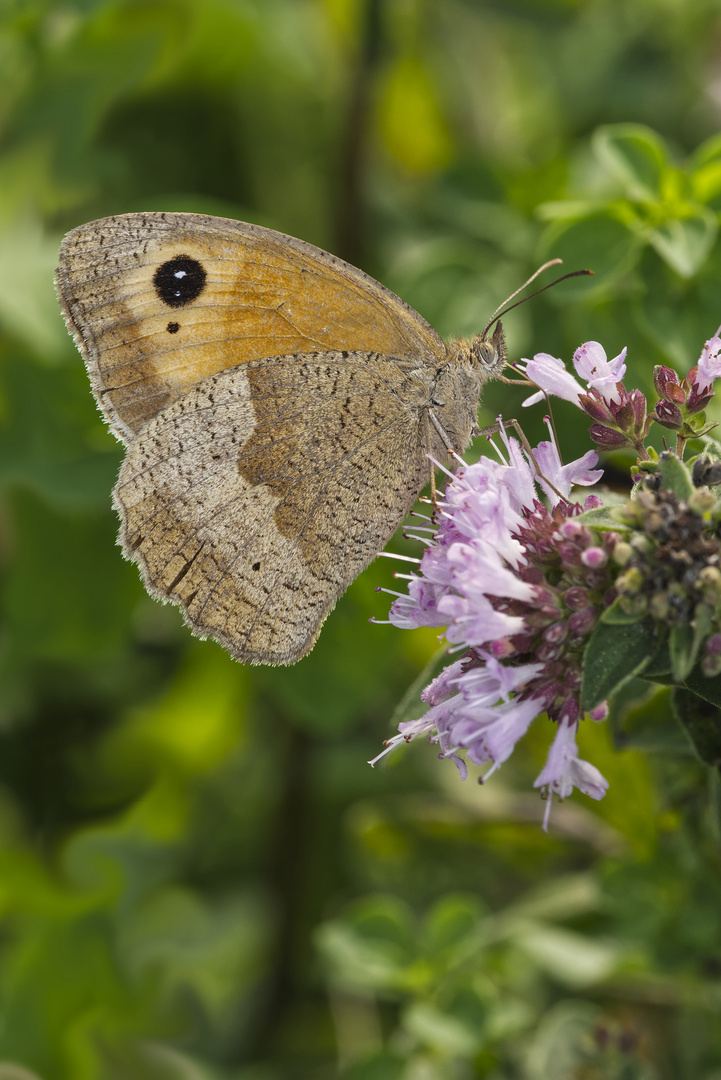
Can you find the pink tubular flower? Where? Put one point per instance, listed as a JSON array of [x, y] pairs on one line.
[[519, 588], [620, 418], [564, 770], [599, 372], [709, 364], [550, 374]]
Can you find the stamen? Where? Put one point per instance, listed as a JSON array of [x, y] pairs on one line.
[[401, 558]]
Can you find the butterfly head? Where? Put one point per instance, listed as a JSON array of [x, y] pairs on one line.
[[488, 354]]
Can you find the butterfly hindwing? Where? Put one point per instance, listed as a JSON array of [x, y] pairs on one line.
[[257, 497]]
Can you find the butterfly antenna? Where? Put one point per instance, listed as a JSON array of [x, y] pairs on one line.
[[503, 309]]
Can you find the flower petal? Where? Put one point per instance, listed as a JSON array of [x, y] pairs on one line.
[[550, 374]]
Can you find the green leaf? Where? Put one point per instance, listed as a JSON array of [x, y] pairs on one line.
[[635, 155], [701, 721], [686, 242], [709, 689], [680, 643], [380, 1066], [641, 716], [705, 175], [614, 655], [601, 518], [660, 663], [616, 616], [675, 475], [685, 642]]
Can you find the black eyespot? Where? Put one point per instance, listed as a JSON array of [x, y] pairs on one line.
[[179, 280], [173, 327], [256, 566]]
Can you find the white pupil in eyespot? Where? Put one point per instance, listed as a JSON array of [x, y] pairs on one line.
[[180, 273]]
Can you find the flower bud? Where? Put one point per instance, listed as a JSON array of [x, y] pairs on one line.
[[622, 553], [634, 606], [701, 500], [574, 530], [607, 438], [596, 408], [697, 401], [658, 606], [663, 379], [706, 472], [668, 415], [641, 544], [576, 598], [594, 557], [569, 553], [639, 409], [595, 579], [710, 581], [582, 621], [711, 666], [555, 633], [630, 582]]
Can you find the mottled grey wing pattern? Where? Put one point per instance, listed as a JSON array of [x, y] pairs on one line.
[[255, 499]]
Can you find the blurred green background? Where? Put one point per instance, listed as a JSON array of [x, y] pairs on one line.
[[200, 876]]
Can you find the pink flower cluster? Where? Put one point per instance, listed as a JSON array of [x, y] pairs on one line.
[[482, 577], [520, 586]]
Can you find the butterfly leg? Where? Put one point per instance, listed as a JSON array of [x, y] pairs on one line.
[[452, 452]]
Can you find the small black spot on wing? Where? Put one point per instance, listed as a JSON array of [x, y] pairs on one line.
[[179, 281], [173, 327]]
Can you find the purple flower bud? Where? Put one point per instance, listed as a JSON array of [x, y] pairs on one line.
[[573, 679], [522, 643], [594, 557], [533, 575], [664, 379], [668, 415], [582, 621], [638, 410], [574, 530], [606, 438], [600, 712], [592, 502], [696, 401], [570, 711], [596, 408], [546, 652], [555, 633], [576, 598], [546, 597], [712, 645], [569, 553], [630, 416], [502, 647]]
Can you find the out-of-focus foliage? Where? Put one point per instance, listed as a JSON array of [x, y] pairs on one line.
[[200, 877]]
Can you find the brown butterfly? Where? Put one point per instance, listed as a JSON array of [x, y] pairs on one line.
[[278, 406]]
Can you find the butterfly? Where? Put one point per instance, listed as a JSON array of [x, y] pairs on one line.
[[278, 407]]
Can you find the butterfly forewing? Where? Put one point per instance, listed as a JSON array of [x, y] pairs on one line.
[[158, 302]]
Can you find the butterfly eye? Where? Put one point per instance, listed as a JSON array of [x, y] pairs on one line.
[[179, 281], [484, 352]]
